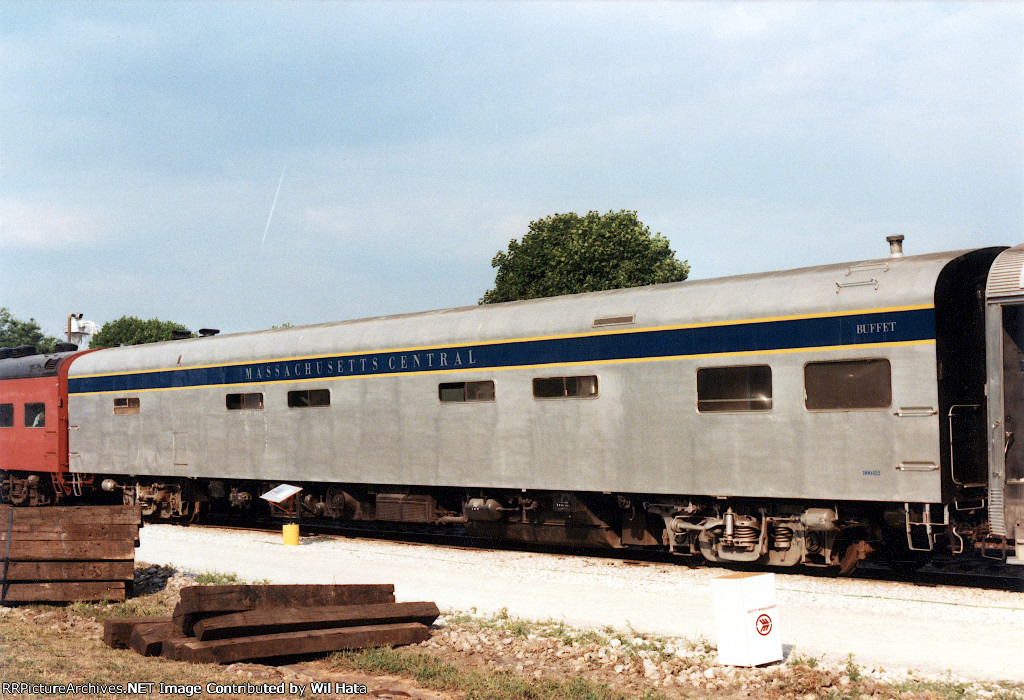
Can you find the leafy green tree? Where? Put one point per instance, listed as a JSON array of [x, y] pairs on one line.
[[568, 254], [14, 332], [129, 330]]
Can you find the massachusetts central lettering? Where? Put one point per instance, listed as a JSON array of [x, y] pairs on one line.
[[736, 338], [361, 364]]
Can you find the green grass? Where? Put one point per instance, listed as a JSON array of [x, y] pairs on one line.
[[554, 629], [628, 643], [589, 637], [437, 674], [216, 578], [852, 669], [501, 621], [55, 646], [953, 690], [145, 606], [801, 660]]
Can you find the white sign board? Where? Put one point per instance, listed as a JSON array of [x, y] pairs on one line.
[[745, 619], [281, 493]]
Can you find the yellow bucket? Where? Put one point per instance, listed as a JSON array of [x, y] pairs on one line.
[[290, 533]]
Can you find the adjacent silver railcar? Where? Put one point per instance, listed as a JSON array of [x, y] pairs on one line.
[[798, 417]]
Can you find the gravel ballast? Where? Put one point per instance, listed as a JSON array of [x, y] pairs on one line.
[[888, 628]]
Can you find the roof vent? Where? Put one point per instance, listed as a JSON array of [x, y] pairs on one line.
[[614, 321], [207, 332], [24, 351], [895, 246]]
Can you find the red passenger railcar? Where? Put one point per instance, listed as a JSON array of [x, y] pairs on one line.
[[34, 429]]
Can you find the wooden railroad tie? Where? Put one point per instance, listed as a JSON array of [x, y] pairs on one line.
[[149, 639], [225, 624], [200, 602], [264, 646], [67, 553], [117, 631], [276, 620]]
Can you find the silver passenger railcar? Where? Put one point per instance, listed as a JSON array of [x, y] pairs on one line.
[[798, 417]]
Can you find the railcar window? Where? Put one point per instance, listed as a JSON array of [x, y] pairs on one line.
[[245, 402], [847, 385], [6, 415], [126, 406], [457, 392], [309, 398], [35, 415], [721, 389], [582, 387]]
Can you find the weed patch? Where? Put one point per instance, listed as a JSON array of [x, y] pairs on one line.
[[438, 674], [216, 578], [801, 660]]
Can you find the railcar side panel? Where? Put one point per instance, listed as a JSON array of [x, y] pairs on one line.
[[798, 417], [31, 430], [394, 430], [641, 433]]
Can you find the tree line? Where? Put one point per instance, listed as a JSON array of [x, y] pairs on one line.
[[559, 254], [127, 330]]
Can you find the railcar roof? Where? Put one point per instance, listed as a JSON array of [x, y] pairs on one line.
[[31, 366], [866, 284], [928, 260]]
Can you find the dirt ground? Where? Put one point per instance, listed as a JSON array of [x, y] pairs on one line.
[[818, 616], [52, 645]]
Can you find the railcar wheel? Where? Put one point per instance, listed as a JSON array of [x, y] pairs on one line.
[[25, 490]]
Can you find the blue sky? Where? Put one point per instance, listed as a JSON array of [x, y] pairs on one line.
[[142, 144]]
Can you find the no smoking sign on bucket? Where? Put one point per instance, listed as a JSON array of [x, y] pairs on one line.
[[744, 606]]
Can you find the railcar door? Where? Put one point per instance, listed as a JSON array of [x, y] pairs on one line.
[[960, 349], [1004, 335]]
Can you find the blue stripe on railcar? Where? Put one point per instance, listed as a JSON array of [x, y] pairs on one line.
[[870, 328]]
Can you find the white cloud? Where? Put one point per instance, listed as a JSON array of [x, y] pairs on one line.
[[332, 220], [419, 138], [724, 236], [45, 225]]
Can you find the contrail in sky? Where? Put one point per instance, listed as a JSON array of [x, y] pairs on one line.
[[272, 206]]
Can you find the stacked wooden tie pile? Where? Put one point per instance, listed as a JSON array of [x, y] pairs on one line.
[[66, 554], [225, 624]]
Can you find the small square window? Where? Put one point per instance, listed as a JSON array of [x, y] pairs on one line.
[[458, 392], [126, 406], [579, 387], [845, 385], [35, 415], [730, 389], [245, 402], [309, 398]]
